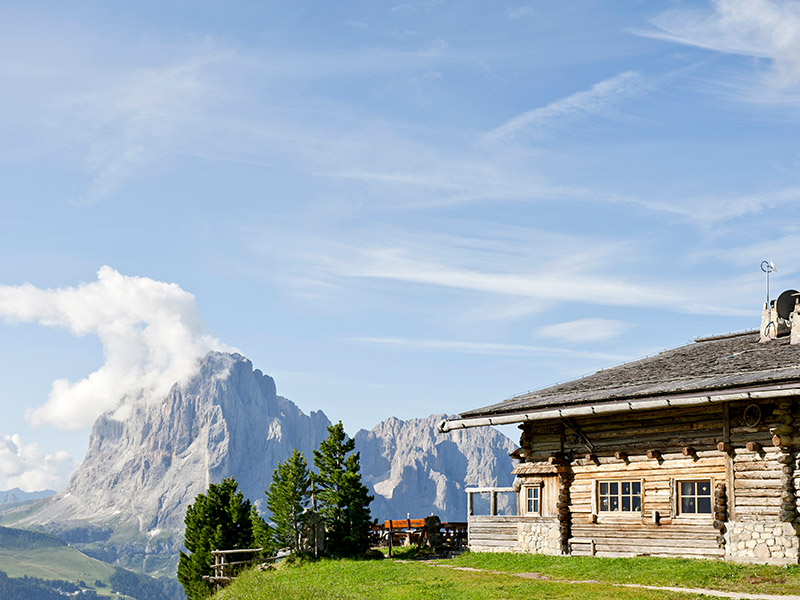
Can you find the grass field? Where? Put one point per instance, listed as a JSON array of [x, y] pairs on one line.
[[414, 580], [43, 556], [681, 572]]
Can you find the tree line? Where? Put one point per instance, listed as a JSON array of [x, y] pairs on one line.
[[322, 512]]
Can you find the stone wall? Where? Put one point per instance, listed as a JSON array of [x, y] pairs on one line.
[[539, 536], [761, 542]]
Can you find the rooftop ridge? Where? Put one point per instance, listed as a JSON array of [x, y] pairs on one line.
[[725, 336]]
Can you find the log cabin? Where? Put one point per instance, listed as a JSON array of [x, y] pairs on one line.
[[691, 452]]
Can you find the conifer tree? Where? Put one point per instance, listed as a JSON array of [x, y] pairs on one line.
[[287, 498], [220, 519], [343, 500]]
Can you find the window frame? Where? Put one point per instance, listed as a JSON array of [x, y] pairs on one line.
[[526, 500], [598, 504], [678, 498]]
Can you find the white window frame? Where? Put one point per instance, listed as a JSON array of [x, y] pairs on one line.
[[536, 489], [598, 504]]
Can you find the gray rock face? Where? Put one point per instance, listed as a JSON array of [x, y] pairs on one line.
[[128, 499], [141, 473], [413, 469]]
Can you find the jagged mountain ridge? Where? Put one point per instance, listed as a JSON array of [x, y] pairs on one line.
[[226, 420], [129, 496], [414, 469], [15, 495]]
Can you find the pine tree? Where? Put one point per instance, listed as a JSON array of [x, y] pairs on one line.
[[287, 498], [219, 519], [263, 535], [343, 500]]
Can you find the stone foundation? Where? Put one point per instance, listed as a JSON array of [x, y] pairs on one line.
[[539, 537], [761, 542]]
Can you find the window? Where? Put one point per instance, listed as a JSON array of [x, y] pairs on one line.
[[620, 496], [533, 500], [694, 497]]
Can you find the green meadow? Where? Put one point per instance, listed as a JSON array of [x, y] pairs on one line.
[[483, 576]]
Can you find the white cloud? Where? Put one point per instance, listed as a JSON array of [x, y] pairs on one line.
[[763, 29], [27, 467], [151, 332], [550, 284], [584, 330], [596, 101], [485, 348], [525, 270]]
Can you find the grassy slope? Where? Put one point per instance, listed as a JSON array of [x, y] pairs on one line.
[[47, 557], [390, 579]]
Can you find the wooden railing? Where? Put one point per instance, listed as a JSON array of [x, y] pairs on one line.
[[226, 569]]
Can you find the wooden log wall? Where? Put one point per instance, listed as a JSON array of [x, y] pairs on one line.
[[498, 533], [659, 448]]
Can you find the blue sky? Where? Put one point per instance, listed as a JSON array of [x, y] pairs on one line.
[[393, 208]]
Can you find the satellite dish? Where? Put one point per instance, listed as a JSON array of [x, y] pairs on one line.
[[785, 303]]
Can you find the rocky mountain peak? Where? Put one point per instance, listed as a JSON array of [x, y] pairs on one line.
[[130, 494]]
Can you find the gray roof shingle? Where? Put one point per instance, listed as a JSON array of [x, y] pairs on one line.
[[710, 364]]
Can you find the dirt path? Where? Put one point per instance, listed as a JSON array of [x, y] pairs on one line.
[[699, 591]]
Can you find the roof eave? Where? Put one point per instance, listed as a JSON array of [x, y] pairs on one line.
[[619, 406]]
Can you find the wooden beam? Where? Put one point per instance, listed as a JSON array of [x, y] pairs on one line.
[[753, 446]]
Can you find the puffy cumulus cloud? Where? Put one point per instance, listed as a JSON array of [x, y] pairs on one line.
[[584, 330], [27, 467], [151, 332]]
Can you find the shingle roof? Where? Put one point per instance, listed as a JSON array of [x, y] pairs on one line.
[[717, 363]]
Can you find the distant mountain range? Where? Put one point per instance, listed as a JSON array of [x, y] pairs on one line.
[[15, 495], [126, 502]]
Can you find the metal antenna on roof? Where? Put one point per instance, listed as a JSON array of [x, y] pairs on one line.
[[768, 267]]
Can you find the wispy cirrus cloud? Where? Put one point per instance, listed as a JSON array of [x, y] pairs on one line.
[[485, 348], [584, 330], [762, 29], [526, 270], [598, 100], [149, 114]]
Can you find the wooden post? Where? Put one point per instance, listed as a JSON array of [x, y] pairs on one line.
[[470, 506], [493, 507], [728, 450], [390, 536]]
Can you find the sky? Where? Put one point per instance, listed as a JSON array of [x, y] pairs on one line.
[[394, 209]]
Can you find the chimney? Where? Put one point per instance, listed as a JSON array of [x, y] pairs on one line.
[[772, 325], [795, 322], [781, 317]]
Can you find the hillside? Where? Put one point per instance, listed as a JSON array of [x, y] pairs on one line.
[[57, 565]]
